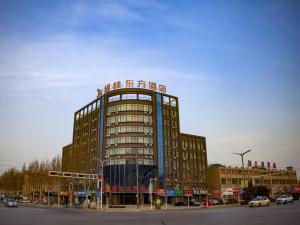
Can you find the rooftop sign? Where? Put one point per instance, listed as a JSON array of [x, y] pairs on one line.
[[131, 84]]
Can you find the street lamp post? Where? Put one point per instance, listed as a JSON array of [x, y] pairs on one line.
[[151, 191], [137, 181], [101, 179], [242, 156]]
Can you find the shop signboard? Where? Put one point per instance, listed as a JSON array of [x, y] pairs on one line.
[[170, 193], [178, 192], [161, 192], [188, 192]]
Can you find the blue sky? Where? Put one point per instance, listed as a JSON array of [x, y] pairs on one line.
[[233, 64]]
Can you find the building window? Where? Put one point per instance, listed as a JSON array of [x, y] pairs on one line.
[[129, 96], [114, 98], [223, 181], [129, 107], [145, 97], [129, 118], [173, 102], [166, 100]]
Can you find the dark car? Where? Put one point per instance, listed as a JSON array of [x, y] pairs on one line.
[[180, 204], [11, 203]]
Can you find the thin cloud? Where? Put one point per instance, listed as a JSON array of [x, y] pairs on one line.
[[67, 62]]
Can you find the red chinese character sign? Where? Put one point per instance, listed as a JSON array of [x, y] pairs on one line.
[[107, 88], [152, 86], [99, 92], [162, 88], [142, 84], [117, 85], [130, 84], [249, 163]]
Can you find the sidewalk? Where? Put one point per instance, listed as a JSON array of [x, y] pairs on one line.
[[134, 208]]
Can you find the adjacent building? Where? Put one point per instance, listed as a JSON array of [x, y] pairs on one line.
[[226, 181], [135, 130]]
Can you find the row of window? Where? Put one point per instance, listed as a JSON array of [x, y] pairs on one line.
[[112, 162], [191, 155], [130, 97], [87, 110], [129, 118], [194, 175], [129, 151], [129, 129], [125, 140], [169, 101], [258, 172], [129, 107], [238, 181], [192, 145], [200, 166]]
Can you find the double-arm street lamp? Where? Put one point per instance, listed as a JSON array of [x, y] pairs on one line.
[[242, 156], [102, 181]]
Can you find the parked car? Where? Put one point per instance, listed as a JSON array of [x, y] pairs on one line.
[[215, 200], [180, 203], [24, 201], [259, 201], [283, 199], [208, 203], [11, 203], [194, 203]]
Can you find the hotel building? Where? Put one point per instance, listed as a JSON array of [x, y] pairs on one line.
[[135, 130]]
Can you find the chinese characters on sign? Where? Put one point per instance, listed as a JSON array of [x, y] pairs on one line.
[[131, 84], [262, 164]]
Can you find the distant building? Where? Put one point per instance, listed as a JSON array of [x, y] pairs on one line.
[[227, 181], [134, 127]]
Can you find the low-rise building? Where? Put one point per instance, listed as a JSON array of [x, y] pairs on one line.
[[224, 181]]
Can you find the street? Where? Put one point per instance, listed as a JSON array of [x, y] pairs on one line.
[[228, 215]]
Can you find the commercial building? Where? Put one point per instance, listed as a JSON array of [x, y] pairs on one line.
[[226, 181], [135, 131]]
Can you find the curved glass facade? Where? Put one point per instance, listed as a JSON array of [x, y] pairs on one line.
[[128, 118], [128, 107], [129, 129], [129, 142]]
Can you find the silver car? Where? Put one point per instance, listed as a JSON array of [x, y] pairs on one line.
[[259, 201], [283, 199]]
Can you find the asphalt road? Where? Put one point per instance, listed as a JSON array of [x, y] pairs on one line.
[[239, 215]]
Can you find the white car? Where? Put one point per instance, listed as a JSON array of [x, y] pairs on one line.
[[283, 199], [259, 201]]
